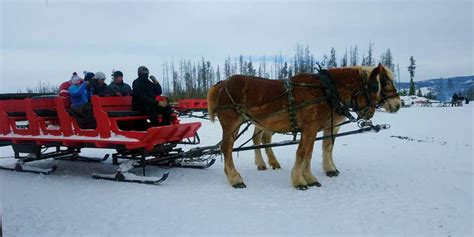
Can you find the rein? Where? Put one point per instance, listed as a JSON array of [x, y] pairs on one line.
[[333, 95]]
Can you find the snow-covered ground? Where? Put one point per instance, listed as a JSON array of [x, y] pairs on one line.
[[413, 179]]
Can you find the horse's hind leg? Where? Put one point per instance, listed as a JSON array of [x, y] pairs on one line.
[[272, 160], [328, 163], [229, 132], [257, 140]]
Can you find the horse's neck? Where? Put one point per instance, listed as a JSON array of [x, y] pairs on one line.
[[348, 81]]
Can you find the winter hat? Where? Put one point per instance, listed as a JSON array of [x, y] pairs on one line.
[[88, 76], [100, 76], [117, 74], [143, 70], [75, 79]]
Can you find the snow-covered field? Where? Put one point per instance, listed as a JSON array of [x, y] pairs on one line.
[[413, 179]]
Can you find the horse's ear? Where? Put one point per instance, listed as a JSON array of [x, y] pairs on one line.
[[380, 66], [375, 72]]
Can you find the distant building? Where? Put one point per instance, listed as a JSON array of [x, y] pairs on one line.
[[414, 100]]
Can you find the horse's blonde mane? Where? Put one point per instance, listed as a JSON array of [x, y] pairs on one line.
[[366, 70]]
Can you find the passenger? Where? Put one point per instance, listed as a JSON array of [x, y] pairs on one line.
[[98, 85], [64, 87], [144, 98], [81, 108], [118, 87]]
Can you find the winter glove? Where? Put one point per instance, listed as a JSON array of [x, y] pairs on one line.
[[153, 78]]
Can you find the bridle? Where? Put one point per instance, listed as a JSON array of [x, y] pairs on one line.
[[370, 89], [387, 94]]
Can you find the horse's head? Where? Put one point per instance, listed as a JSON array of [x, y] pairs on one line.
[[378, 91], [388, 96]]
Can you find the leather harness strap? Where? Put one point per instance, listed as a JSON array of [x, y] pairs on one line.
[[291, 108]]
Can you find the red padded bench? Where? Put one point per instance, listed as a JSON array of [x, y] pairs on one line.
[[109, 111]]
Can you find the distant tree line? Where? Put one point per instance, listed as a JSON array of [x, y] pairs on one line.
[[41, 87], [192, 79]]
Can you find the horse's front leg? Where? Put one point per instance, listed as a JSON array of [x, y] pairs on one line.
[[301, 175], [272, 160], [328, 163], [311, 180], [226, 147], [257, 140]]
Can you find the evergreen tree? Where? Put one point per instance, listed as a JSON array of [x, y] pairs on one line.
[[264, 68], [411, 70], [324, 61], [250, 71], [369, 60], [402, 92], [430, 95], [332, 63], [354, 55], [176, 85], [387, 60], [188, 81], [364, 60], [284, 71], [311, 64], [419, 94], [344, 59], [227, 68], [306, 59], [218, 74], [241, 64]]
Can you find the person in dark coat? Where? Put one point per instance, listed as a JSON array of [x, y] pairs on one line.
[[144, 94], [98, 85], [118, 87]]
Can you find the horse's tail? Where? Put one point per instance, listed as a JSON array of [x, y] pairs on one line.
[[212, 100]]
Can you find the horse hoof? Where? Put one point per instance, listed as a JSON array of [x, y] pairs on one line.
[[301, 187], [317, 184], [261, 167], [240, 185], [332, 173]]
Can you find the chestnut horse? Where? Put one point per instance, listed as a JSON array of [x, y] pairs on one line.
[[261, 136], [302, 104]]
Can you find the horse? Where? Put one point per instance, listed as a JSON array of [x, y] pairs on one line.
[[305, 103], [261, 136]]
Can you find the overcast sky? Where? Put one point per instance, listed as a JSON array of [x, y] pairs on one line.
[[49, 39]]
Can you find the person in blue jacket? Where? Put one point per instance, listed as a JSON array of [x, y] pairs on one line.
[[81, 107]]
